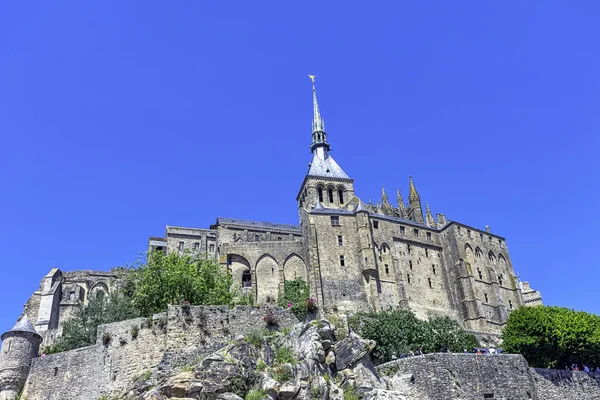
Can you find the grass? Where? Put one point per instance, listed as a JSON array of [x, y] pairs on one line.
[[261, 365], [256, 394], [285, 355], [255, 337], [350, 394], [281, 374]]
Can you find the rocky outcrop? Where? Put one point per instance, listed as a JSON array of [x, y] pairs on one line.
[[306, 362]]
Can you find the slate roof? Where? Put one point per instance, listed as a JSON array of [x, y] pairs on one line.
[[256, 224], [326, 167], [22, 326]]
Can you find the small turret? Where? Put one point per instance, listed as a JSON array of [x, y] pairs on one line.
[[19, 346], [416, 211], [429, 217], [401, 207], [386, 207]]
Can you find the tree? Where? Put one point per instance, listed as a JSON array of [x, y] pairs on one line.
[[174, 278], [296, 293], [80, 329], [398, 332], [553, 337]]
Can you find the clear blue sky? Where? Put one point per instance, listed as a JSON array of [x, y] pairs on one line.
[[119, 117]]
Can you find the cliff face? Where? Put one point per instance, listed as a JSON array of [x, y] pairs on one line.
[[222, 353]]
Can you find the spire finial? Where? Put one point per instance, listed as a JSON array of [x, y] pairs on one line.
[[429, 217], [384, 198], [319, 138], [413, 190]]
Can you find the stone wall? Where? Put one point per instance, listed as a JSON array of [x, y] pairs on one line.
[[469, 376], [125, 350]]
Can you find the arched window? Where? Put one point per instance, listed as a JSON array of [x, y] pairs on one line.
[[320, 190], [341, 195], [100, 294], [330, 193], [256, 238], [72, 295], [279, 238], [246, 278]]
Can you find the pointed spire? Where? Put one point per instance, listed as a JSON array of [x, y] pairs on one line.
[[400, 201], [413, 190], [384, 198], [429, 217], [319, 138]]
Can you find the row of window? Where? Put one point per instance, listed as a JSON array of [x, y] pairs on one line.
[[403, 231], [470, 235], [330, 195], [196, 247]]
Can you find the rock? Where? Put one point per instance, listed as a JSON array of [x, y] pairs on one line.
[[335, 393], [228, 396], [330, 359], [269, 385], [350, 350], [178, 385], [289, 390], [379, 394]]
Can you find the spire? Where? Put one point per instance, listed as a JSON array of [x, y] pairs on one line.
[[384, 198], [429, 217], [401, 206], [319, 137], [413, 190]]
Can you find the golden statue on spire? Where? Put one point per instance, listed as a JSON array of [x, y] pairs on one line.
[[312, 78]]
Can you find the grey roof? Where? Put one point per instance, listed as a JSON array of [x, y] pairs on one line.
[[22, 326], [256, 224], [326, 167]]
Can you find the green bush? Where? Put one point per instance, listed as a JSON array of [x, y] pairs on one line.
[[296, 293], [256, 394], [553, 337], [255, 337], [399, 332], [285, 355]]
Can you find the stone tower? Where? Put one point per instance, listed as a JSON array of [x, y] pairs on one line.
[[19, 346]]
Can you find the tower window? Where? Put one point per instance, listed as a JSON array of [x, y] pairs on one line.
[[510, 304], [408, 248], [256, 238], [480, 274], [433, 268], [408, 278], [211, 248], [341, 196], [340, 240], [335, 220], [426, 253], [469, 233], [330, 193], [486, 297], [320, 191], [416, 232], [376, 224], [491, 240], [196, 246], [279, 238], [387, 269], [429, 281], [247, 278], [402, 230], [429, 236], [410, 264], [481, 237], [342, 262], [459, 230], [181, 246]]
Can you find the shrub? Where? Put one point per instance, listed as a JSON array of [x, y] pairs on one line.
[[296, 293], [350, 394], [285, 355], [255, 337], [281, 373], [135, 331], [311, 305], [261, 365], [256, 394], [271, 319]]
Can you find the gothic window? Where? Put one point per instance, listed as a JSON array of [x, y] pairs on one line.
[[181, 246], [342, 262], [256, 238], [212, 248], [384, 249], [387, 269], [100, 294], [341, 195], [376, 224], [429, 280], [402, 230], [320, 190], [335, 220], [429, 236], [330, 193], [426, 253], [340, 240], [500, 280], [478, 252], [486, 297], [510, 304], [408, 278], [416, 232], [433, 268], [410, 264], [480, 274], [196, 246], [279, 238], [247, 278]]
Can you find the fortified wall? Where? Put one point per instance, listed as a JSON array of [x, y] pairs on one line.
[[471, 376], [124, 351]]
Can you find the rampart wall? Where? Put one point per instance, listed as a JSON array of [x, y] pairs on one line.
[[121, 355]]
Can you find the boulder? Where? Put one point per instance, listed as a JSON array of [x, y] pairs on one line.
[[351, 350], [289, 390]]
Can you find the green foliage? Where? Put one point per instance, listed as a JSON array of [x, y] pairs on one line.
[[241, 299], [399, 332], [553, 337], [281, 374], [285, 355], [174, 278], [350, 394], [256, 394], [261, 365], [295, 292], [80, 329], [255, 337], [135, 331]]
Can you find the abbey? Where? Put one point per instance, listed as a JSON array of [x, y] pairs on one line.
[[355, 256]]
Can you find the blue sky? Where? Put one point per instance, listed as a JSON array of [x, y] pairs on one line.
[[118, 118]]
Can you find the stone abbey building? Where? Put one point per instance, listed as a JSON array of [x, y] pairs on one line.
[[354, 256]]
